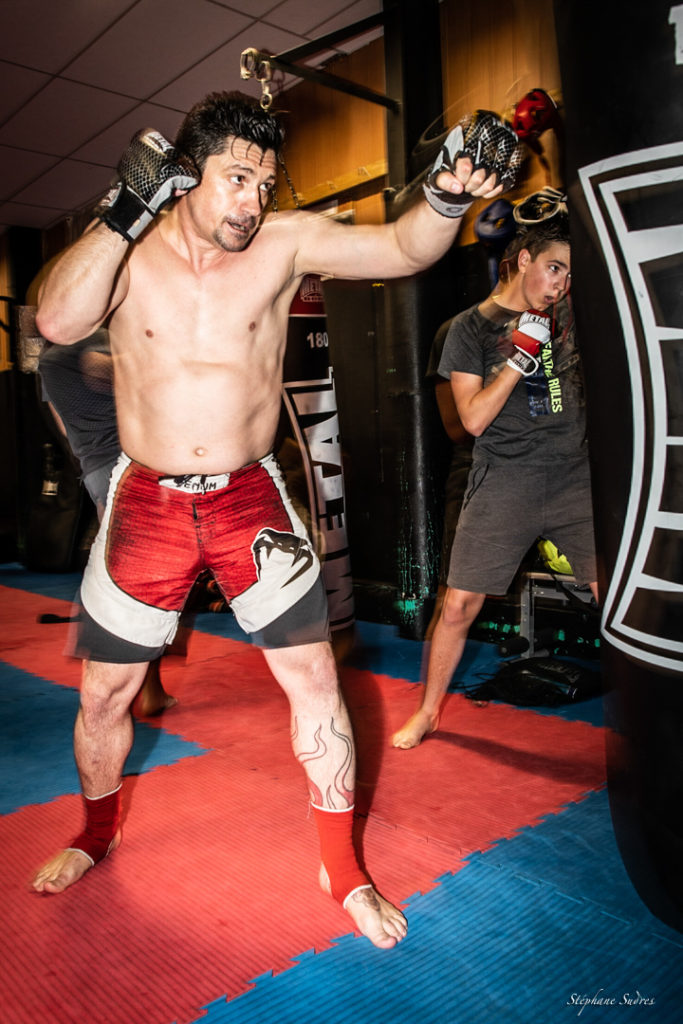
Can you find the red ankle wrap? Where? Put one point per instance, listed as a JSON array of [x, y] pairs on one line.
[[102, 815], [335, 830]]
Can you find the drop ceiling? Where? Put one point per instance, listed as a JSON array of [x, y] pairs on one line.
[[79, 77]]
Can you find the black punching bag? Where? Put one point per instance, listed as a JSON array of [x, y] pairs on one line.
[[622, 87], [310, 399]]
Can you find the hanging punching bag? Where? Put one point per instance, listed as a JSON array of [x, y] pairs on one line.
[[622, 82], [311, 402]]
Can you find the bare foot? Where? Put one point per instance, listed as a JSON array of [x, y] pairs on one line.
[[415, 729], [67, 867], [373, 916], [152, 698], [147, 704]]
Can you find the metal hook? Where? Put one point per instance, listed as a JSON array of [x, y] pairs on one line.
[[266, 96], [254, 64]]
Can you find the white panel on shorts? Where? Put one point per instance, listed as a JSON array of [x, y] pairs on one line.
[[111, 607], [286, 570]]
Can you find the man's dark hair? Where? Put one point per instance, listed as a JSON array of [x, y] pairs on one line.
[[210, 122]]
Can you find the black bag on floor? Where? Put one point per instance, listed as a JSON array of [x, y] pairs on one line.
[[539, 682]]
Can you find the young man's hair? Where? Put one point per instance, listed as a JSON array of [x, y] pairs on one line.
[[536, 238], [220, 115]]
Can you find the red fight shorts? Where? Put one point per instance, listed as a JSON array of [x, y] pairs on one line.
[[159, 533]]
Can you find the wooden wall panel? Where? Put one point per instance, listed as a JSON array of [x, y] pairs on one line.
[[336, 142], [492, 54]]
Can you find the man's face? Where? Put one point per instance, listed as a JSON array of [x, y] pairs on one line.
[[234, 191], [545, 279]]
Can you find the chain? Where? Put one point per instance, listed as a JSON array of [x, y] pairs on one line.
[[253, 64]]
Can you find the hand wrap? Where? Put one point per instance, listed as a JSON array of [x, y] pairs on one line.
[[335, 831], [102, 816], [489, 143], [149, 174], [532, 331]]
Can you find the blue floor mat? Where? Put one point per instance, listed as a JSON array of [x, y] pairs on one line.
[[541, 928], [36, 756], [61, 585], [526, 933]]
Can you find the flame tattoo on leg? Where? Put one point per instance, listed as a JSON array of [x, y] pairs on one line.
[[339, 787], [340, 780]]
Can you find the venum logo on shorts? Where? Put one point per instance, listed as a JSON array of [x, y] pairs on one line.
[[271, 548], [195, 483]]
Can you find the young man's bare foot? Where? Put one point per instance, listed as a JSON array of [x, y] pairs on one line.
[[415, 729], [152, 698], [380, 921], [149, 703], [67, 867]]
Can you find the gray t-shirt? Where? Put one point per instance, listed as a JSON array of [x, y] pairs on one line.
[[543, 420], [462, 450], [84, 404]]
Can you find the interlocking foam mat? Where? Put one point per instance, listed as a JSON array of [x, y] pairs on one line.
[[494, 835]]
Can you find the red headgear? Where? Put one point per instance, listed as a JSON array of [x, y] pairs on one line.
[[534, 114]]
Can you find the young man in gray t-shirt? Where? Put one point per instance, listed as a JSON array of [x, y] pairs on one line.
[[515, 374]]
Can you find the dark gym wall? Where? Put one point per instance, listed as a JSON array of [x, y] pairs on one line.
[[380, 335], [39, 529], [395, 467], [8, 460], [21, 432]]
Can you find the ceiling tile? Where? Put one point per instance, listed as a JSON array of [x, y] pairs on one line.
[[301, 15], [46, 34], [222, 69], [256, 8], [17, 85], [70, 184], [349, 16], [18, 215], [131, 64], [62, 116], [107, 147], [180, 36], [357, 42], [20, 168]]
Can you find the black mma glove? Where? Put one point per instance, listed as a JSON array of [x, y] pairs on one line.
[[489, 143], [149, 173], [532, 331]]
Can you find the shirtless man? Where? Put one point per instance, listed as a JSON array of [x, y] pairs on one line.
[[198, 301]]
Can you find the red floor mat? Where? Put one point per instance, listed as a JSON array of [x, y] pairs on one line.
[[215, 883]]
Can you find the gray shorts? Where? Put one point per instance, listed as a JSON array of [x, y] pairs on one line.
[[96, 483], [507, 508], [456, 486]]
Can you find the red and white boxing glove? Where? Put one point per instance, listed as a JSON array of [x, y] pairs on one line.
[[532, 332]]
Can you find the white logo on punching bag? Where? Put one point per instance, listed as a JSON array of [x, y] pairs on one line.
[[313, 408], [630, 198], [676, 19]]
